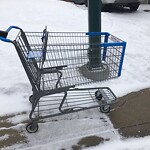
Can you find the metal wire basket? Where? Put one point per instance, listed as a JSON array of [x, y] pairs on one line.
[[68, 52]]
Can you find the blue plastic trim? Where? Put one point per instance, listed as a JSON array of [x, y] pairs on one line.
[[112, 44], [106, 38], [12, 27], [5, 40], [105, 49], [97, 33], [35, 54], [122, 58]]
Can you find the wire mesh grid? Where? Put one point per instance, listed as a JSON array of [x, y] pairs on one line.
[[76, 99], [71, 51]]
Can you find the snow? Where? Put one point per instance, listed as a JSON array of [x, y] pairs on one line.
[[4, 137], [15, 88]]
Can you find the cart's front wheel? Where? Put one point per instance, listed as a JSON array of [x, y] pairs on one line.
[[98, 95], [105, 109], [32, 127]]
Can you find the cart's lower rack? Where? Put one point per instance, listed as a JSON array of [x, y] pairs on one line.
[[71, 101]]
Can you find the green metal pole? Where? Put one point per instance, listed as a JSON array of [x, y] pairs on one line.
[[94, 22]]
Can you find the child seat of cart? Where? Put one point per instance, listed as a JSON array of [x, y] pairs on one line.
[[39, 54]]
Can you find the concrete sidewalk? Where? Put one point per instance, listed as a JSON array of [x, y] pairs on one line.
[[132, 114]]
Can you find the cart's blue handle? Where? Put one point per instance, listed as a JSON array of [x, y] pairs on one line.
[[12, 27], [5, 39], [3, 34]]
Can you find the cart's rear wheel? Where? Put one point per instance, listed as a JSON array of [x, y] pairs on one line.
[[31, 98], [105, 109], [32, 127], [98, 95]]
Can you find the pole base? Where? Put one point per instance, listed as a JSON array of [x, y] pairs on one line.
[[96, 74]]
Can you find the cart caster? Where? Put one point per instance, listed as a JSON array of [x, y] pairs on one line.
[[31, 98], [98, 95], [105, 109], [32, 127]]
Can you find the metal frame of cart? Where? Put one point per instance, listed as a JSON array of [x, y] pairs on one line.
[[57, 62]]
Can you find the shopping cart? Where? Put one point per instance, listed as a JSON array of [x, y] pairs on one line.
[[56, 62]]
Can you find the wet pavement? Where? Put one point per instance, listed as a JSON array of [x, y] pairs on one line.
[[131, 116]]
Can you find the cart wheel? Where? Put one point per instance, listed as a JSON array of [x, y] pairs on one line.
[[31, 98], [105, 109], [98, 95], [32, 128]]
